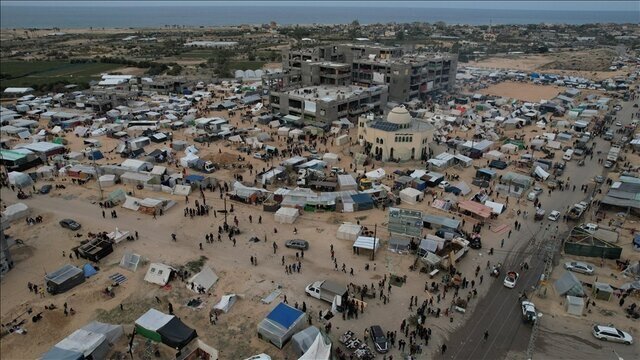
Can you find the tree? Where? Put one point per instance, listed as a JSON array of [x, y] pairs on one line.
[[355, 23]]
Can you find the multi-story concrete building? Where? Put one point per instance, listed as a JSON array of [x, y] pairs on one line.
[[328, 103], [398, 137], [408, 76]]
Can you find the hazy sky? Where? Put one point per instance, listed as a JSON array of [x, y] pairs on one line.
[[592, 5]]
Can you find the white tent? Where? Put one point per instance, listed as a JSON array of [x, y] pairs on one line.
[[574, 305], [330, 158], [158, 274], [275, 124], [15, 211], [117, 235], [319, 350], [366, 242], [295, 133], [107, 180], [376, 174], [411, 195], [226, 302], [206, 278], [131, 203], [286, 215], [541, 173], [464, 188], [349, 231], [182, 190], [493, 155], [235, 139], [496, 207], [21, 180], [46, 172], [283, 131], [509, 148], [187, 160]]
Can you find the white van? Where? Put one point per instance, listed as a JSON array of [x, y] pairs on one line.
[[567, 155]]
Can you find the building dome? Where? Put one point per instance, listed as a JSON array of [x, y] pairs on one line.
[[399, 115]]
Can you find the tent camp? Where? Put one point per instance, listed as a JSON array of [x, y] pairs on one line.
[[206, 278], [411, 195], [63, 279], [303, 340], [568, 284], [286, 215], [349, 231], [226, 302], [320, 349], [167, 329], [92, 341], [280, 324], [158, 274]]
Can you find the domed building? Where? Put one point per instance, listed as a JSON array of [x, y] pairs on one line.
[[398, 137]]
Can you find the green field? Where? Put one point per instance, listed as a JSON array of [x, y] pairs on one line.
[[37, 73]]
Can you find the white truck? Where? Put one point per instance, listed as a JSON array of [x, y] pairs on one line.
[[329, 290], [614, 154]]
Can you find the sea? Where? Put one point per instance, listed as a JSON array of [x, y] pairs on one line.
[[47, 15]]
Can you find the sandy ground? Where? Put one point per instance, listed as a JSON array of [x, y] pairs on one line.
[[522, 91], [235, 333]]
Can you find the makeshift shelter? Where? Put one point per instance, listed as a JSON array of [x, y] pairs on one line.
[[63, 279], [167, 329], [330, 158], [15, 211], [320, 349], [226, 302], [362, 201], [411, 195], [205, 279], [475, 208], [89, 271], [93, 341], [375, 174], [107, 180], [367, 243], [117, 196], [20, 180], [347, 182], [301, 341], [602, 291], [574, 305], [568, 284], [46, 172], [116, 235], [349, 231], [399, 245], [583, 243], [130, 261], [158, 274], [286, 215], [280, 324]]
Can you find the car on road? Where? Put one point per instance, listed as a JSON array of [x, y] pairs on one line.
[[475, 243], [608, 164], [498, 164], [554, 215], [511, 279], [46, 189], [297, 244], [580, 267], [379, 339], [443, 184], [599, 179], [529, 313], [70, 224], [537, 189], [618, 123], [610, 333]]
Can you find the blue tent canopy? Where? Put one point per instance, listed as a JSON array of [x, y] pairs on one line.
[[89, 270], [193, 178], [285, 315], [95, 155]]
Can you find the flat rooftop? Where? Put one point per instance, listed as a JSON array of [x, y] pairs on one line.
[[330, 93]]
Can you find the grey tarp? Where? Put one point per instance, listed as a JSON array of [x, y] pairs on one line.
[[303, 340], [568, 284]]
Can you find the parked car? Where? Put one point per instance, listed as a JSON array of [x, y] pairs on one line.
[[580, 267], [610, 333], [608, 164], [618, 123], [70, 224], [537, 189], [443, 184], [532, 196], [297, 244], [599, 179], [511, 279], [379, 339], [529, 313], [498, 164], [445, 233], [475, 243], [46, 189], [554, 215]]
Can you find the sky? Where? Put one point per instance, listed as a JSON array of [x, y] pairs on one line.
[[591, 5]]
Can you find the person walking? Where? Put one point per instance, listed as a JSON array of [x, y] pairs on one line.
[[486, 335]]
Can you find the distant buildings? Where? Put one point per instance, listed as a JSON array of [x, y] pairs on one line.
[[398, 137]]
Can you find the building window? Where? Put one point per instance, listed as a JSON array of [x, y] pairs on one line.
[[381, 141]]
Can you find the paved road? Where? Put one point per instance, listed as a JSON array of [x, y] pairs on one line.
[[499, 311]]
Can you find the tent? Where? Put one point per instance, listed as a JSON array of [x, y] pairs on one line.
[[19, 179], [206, 278], [93, 341], [89, 270], [366, 242], [116, 236], [286, 215], [568, 284], [226, 302], [541, 173], [411, 195], [349, 231], [188, 160], [330, 158], [602, 291], [301, 342], [158, 274], [130, 261], [362, 201], [107, 180], [574, 305], [399, 245], [280, 324], [320, 349], [376, 174], [95, 155], [46, 172], [63, 279], [167, 329], [15, 211]]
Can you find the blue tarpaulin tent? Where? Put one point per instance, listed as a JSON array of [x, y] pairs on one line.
[[280, 324], [89, 270], [192, 179], [95, 155], [362, 202]]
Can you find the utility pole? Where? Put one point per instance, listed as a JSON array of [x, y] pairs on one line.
[[95, 167], [375, 233]]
